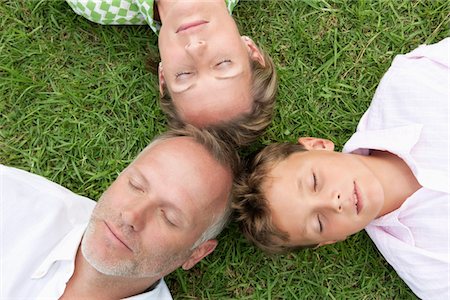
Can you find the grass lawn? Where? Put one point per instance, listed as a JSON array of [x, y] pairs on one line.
[[79, 102]]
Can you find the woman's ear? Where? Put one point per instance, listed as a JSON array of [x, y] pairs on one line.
[[162, 82], [312, 143], [253, 50]]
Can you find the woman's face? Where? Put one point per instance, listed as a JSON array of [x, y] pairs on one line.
[[205, 62]]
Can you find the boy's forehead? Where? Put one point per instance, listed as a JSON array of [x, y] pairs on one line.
[[287, 162]]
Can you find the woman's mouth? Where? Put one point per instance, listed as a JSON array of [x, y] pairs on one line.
[[191, 25]]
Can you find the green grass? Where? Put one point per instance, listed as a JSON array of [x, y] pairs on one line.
[[79, 102]]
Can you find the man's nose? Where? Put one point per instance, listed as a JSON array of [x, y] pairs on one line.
[[135, 215], [196, 48]]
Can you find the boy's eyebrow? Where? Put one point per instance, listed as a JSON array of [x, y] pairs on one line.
[[299, 185]]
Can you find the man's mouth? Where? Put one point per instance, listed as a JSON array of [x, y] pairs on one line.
[[118, 236], [357, 198], [191, 25]]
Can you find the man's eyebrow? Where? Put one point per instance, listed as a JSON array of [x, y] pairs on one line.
[[184, 219], [180, 215], [135, 172]]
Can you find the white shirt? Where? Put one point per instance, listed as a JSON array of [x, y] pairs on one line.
[[41, 226], [409, 116]]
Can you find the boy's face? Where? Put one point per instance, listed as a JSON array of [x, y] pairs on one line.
[[322, 196]]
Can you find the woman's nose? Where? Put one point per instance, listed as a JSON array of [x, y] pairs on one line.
[[196, 48]]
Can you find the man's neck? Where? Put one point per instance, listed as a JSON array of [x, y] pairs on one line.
[[87, 283], [395, 176]]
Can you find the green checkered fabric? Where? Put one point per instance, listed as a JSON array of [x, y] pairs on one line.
[[122, 12]]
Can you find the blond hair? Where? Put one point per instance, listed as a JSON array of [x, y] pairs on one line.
[[246, 128], [251, 208]]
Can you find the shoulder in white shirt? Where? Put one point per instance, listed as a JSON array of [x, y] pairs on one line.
[[41, 225], [409, 117]]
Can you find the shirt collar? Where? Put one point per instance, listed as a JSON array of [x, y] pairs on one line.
[[399, 141], [66, 249]]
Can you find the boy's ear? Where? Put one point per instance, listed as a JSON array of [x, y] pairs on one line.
[[326, 243], [199, 253], [162, 82], [311, 143], [253, 50], [330, 242]]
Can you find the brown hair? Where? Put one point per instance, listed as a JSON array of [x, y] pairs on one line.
[[251, 208], [246, 128]]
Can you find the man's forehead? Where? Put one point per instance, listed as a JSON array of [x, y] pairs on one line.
[[179, 144], [185, 157]]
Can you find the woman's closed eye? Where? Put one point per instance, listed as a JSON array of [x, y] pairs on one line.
[[183, 75], [223, 63]]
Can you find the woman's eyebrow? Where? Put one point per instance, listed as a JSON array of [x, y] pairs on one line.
[[229, 75], [184, 89]]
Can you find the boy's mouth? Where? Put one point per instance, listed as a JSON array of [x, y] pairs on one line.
[[357, 198], [190, 25]]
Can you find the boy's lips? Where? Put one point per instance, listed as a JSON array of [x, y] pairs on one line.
[[357, 198], [190, 25], [117, 236]]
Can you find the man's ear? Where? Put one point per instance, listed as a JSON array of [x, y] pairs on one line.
[[162, 82], [312, 143], [253, 50], [199, 253]]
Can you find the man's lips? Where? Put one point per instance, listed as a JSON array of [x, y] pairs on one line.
[[117, 236], [357, 198], [191, 25]]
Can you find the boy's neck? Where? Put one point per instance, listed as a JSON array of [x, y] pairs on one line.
[[396, 178]]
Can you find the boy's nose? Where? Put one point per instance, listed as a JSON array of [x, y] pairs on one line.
[[196, 48], [336, 202]]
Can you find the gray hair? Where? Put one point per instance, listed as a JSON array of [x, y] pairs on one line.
[[218, 145], [216, 228]]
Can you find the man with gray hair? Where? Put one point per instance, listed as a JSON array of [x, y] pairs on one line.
[[162, 212]]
